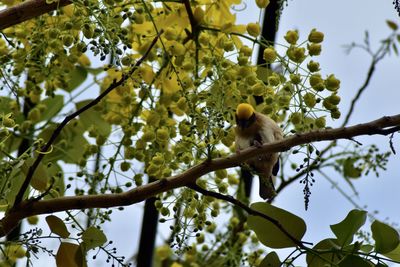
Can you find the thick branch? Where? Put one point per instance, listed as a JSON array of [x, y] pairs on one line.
[[27, 10], [67, 119], [27, 208]]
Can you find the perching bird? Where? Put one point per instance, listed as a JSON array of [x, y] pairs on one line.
[[255, 129]]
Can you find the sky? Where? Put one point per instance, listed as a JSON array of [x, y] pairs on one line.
[[342, 22]]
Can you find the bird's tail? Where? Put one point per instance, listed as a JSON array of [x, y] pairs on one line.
[[267, 189]]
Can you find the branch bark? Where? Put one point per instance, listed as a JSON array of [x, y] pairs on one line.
[[382, 126], [28, 10]]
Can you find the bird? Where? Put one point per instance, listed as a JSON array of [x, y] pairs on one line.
[[255, 129]]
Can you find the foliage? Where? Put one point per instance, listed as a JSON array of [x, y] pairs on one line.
[[173, 112]]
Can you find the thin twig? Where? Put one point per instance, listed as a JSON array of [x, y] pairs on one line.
[[250, 211]]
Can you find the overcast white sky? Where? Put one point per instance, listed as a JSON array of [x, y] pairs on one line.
[[343, 22]]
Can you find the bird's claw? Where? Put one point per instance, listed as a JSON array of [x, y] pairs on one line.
[[257, 144]]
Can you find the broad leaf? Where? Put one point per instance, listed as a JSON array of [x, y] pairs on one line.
[[394, 254], [40, 178], [355, 261], [95, 71], [70, 255], [57, 226], [271, 260], [345, 230], [386, 238], [349, 170], [93, 237], [68, 146], [91, 117], [325, 258], [76, 78], [268, 233], [53, 106]]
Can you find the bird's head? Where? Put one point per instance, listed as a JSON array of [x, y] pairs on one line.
[[245, 115]]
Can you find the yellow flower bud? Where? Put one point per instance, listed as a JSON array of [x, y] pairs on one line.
[[274, 80], [291, 37], [335, 114], [309, 100], [320, 122], [16, 252], [163, 252], [296, 118], [221, 173], [316, 82], [175, 48], [153, 170], [328, 105], [246, 51], [162, 134], [34, 114], [334, 99], [296, 54], [181, 104], [153, 119], [332, 83], [170, 34], [198, 14], [158, 159], [315, 36], [258, 89], [313, 66], [8, 122], [148, 136], [253, 29], [262, 3], [269, 55], [295, 78], [125, 166], [314, 49], [242, 61]]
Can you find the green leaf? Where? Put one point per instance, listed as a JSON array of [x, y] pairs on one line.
[[394, 47], [268, 233], [93, 238], [324, 258], [349, 170], [93, 118], [40, 178], [76, 78], [263, 73], [70, 255], [95, 71], [58, 189], [53, 106], [69, 145], [355, 261], [271, 260], [57, 226], [345, 230], [386, 238], [392, 25]]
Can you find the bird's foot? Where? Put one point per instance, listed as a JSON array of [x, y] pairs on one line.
[[257, 144]]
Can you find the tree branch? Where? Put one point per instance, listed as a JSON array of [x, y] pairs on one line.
[[27, 10], [384, 125], [67, 119]]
